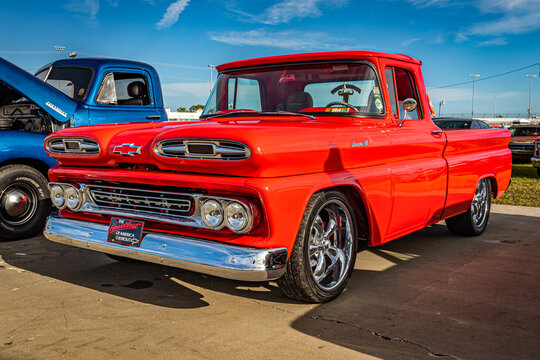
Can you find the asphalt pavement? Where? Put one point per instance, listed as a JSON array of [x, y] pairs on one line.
[[424, 296]]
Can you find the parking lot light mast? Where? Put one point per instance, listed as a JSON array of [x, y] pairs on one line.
[[59, 48], [530, 94], [474, 76], [211, 67], [441, 103]]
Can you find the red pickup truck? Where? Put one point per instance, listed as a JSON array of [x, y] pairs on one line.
[[295, 160]]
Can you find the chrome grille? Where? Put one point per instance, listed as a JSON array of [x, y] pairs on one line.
[[202, 149], [144, 201], [72, 146]]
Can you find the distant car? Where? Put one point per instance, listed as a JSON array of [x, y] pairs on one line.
[[447, 123], [522, 142], [536, 158]]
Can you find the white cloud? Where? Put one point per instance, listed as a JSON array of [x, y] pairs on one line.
[[290, 39], [88, 8], [287, 10], [494, 42], [171, 15]]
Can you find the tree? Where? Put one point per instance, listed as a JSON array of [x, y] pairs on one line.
[[181, 109], [194, 108]]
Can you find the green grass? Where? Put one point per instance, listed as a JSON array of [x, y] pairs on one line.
[[525, 187]]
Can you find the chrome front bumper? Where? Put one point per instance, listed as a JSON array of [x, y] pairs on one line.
[[535, 162], [208, 257]]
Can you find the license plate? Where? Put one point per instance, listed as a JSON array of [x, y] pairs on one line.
[[125, 232]]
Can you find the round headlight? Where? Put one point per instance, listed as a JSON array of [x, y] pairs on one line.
[[73, 198], [212, 213], [236, 216], [57, 196]]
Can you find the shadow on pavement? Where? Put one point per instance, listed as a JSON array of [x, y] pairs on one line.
[[453, 297]]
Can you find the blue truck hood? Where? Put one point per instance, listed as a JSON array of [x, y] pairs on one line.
[[54, 102]]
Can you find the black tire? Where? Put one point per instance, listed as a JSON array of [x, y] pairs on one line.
[[474, 221], [299, 281], [24, 218]]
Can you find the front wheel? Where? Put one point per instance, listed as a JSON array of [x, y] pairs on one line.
[[323, 256], [24, 202], [474, 221]]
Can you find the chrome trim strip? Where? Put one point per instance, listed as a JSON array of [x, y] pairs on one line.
[[220, 149], [204, 256], [85, 146]]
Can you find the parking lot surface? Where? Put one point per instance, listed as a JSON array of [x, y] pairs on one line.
[[427, 295]]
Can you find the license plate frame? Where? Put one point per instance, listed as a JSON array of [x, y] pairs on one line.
[[125, 232]]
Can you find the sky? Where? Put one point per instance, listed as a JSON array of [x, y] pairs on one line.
[[180, 38]]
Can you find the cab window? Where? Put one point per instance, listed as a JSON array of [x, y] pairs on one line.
[[244, 93], [119, 88], [404, 84]]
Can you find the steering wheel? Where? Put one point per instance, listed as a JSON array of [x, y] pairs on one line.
[[342, 104], [346, 90]]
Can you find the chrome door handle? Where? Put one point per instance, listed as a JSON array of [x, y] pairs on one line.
[[153, 117], [436, 132]]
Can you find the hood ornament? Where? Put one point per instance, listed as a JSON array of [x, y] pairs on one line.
[[127, 149]]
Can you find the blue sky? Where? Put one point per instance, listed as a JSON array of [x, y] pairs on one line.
[[180, 38]]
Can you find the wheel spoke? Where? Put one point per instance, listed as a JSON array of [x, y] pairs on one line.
[[320, 267], [318, 225], [313, 249]]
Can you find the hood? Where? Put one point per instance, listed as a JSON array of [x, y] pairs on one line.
[[54, 102], [523, 139], [276, 147]]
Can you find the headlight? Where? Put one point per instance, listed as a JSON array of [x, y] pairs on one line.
[[57, 196], [212, 213], [73, 198], [236, 216]]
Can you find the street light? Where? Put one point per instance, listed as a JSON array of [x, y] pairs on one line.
[[474, 76], [530, 92], [59, 48], [211, 67], [441, 103]]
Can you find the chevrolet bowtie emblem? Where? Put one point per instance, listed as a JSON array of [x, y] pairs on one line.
[[127, 149]]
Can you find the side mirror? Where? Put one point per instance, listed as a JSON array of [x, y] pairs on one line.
[[409, 105]]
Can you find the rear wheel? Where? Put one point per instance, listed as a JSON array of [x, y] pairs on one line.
[[474, 221], [24, 202], [323, 256]]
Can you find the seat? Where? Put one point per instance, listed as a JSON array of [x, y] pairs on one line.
[[299, 100], [137, 91]]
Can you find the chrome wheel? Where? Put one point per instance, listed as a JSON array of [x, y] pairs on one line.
[[18, 203], [479, 205], [330, 244]]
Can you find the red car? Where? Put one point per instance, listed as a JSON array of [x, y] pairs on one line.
[[536, 157], [295, 160]]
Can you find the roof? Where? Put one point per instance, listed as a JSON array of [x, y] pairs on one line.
[[334, 55], [100, 63]]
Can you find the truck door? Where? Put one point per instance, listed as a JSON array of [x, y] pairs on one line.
[[418, 169], [123, 95]]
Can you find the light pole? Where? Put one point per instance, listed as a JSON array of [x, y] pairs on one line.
[[474, 76], [211, 67], [441, 103], [59, 48], [530, 94]]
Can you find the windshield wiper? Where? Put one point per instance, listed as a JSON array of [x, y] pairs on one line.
[[288, 113], [232, 113]]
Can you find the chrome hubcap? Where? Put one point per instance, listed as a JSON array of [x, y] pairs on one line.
[[18, 203], [330, 244], [479, 205]]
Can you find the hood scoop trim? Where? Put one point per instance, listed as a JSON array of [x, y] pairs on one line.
[[202, 149]]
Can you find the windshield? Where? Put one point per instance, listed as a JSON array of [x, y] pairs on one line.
[[317, 88], [526, 131], [72, 81]]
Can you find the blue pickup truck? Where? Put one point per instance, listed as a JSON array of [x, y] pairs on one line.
[[65, 93]]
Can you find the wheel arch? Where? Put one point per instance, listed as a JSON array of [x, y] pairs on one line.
[[362, 213], [39, 165]]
